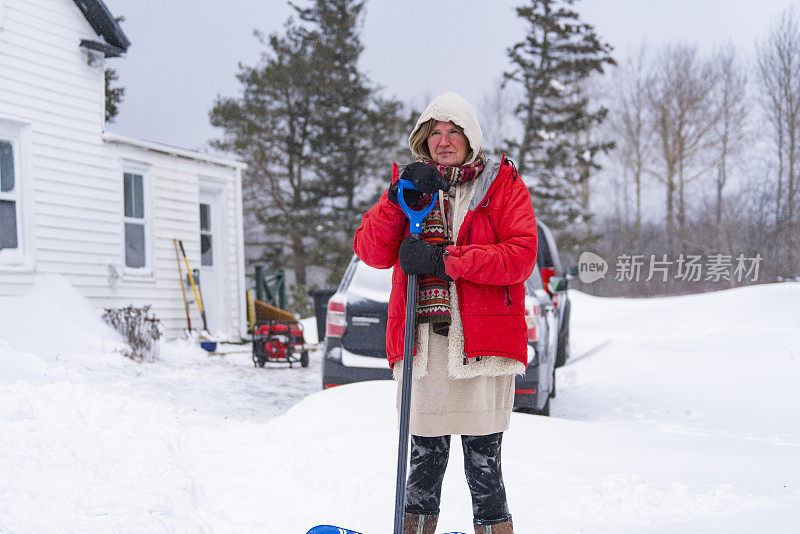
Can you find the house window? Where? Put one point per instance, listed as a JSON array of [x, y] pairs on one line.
[[206, 237], [135, 221], [9, 196]]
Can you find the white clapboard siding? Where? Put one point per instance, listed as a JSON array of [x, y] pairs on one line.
[[73, 178], [47, 87], [177, 180]]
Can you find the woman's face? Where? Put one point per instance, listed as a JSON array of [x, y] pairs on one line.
[[447, 145]]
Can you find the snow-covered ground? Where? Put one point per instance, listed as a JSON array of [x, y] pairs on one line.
[[674, 415]]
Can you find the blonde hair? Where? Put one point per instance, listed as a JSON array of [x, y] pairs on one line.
[[418, 142]]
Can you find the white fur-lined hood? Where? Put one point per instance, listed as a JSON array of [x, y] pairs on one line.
[[453, 107]]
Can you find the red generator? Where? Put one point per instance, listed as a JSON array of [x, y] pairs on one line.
[[279, 342]]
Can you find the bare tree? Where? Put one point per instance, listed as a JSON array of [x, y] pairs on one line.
[[679, 94], [731, 129], [590, 137], [497, 116], [779, 75], [684, 120], [629, 120]]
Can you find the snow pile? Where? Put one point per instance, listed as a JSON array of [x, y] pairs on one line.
[[683, 419], [78, 459], [93, 442], [54, 320], [674, 415]]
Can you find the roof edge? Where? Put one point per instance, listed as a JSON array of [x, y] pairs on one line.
[[106, 49], [110, 137]]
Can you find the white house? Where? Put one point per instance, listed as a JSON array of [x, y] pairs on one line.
[[98, 208]]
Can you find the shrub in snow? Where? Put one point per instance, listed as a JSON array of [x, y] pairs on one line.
[[141, 331]]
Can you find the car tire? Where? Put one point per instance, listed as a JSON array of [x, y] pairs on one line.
[[562, 351], [553, 387], [304, 358]]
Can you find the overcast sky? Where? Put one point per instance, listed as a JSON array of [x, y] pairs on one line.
[[185, 52]]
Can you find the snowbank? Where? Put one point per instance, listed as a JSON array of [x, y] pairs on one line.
[[675, 414], [54, 320]]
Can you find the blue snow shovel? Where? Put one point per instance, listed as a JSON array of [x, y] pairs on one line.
[[415, 228], [415, 219]]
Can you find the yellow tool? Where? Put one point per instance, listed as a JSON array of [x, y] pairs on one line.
[[198, 296]]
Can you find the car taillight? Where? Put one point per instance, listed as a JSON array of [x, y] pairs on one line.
[[532, 319], [555, 299], [336, 321]]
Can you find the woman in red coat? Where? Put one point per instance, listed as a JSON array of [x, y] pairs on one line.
[[478, 245]]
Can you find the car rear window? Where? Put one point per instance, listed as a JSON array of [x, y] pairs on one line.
[[544, 258], [372, 283]]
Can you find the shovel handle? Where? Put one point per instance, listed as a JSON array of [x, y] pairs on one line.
[[415, 218]]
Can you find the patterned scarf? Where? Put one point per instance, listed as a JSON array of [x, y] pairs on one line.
[[433, 294]]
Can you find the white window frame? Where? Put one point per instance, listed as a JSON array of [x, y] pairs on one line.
[[216, 188], [20, 258], [145, 171]]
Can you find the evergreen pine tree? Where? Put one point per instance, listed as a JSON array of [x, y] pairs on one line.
[[269, 127], [318, 140], [355, 133], [114, 95], [557, 152]]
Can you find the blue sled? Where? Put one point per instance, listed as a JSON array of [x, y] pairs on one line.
[[328, 529]]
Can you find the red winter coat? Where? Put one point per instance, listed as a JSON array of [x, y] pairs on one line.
[[495, 252]]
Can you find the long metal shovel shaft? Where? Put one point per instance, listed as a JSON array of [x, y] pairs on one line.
[[405, 404], [415, 219]]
